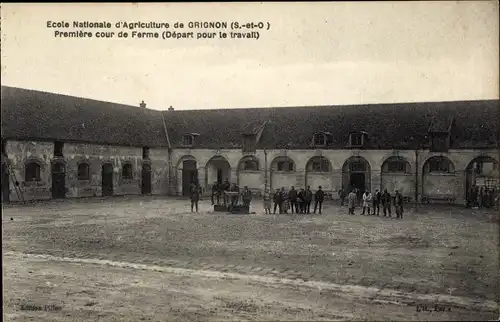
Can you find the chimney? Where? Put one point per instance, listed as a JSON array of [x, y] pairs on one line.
[[142, 105], [170, 108]]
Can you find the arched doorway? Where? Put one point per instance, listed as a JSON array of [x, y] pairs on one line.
[[396, 175], [218, 170], [438, 179], [58, 180], [319, 173], [356, 174], [146, 179], [107, 179], [249, 173], [482, 172], [187, 173], [283, 173]]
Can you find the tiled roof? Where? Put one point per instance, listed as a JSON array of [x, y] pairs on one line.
[[399, 126], [30, 114]]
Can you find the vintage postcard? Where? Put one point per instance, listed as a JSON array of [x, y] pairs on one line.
[[251, 161]]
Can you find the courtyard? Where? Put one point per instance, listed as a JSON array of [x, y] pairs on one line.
[[151, 259]]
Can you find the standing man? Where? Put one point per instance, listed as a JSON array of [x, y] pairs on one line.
[[376, 202], [301, 200], [351, 202], [367, 201], [246, 195], [234, 199], [224, 188], [398, 204], [215, 192], [319, 197], [195, 196], [292, 197], [267, 202], [277, 200], [386, 202], [308, 198], [342, 197]]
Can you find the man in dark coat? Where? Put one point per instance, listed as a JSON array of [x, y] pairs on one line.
[[292, 196], [246, 195], [318, 198], [215, 193], [277, 198], [300, 199], [342, 197], [376, 202], [234, 199], [386, 202], [225, 187], [195, 196], [308, 198], [398, 204]]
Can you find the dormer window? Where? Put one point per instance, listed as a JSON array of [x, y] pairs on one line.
[[439, 142], [145, 153], [58, 149], [319, 139], [249, 144], [188, 140], [357, 140]]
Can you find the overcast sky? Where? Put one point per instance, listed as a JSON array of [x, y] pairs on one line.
[[313, 54]]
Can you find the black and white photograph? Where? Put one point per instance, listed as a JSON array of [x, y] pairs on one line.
[[250, 161]]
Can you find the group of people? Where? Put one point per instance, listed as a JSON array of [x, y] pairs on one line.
[[374, 202], [482, 197], [297, 201]]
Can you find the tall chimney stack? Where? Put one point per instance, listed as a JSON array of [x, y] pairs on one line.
[[142, 105]]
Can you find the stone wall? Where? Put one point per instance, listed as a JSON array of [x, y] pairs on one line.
[[167, 170], [20, 153]]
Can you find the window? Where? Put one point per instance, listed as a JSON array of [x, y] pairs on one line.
[[58, 149], [439, 143], [83, 171], [440, 164], [188, 140], [249, 143], [319, 139], [396, 166], [127, 171], [320, 165], [32, 172], [356, 139], [250, 165], [285, 166], [145, 153], [357, 166]]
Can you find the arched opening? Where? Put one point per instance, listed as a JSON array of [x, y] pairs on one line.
[[396, 175], [356, 174], [283, 173], [482, 176], [218, 170], [319, 173], [187, 174], [146, 179], [58, 180], [107, 179], [438, 180], [32, 172], [249, 173]]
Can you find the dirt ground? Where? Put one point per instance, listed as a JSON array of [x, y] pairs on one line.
[[145, 258]]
